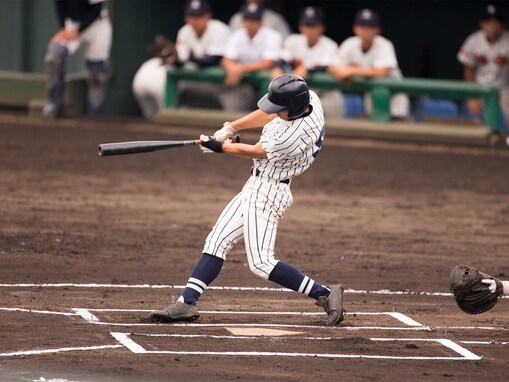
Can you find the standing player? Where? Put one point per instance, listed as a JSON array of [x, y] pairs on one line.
[[200, 43], [291, 139], [312, 51], [81, 21], [367, 54], [485, 56]]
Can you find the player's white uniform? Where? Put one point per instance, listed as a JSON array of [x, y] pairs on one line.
[[380, 55], [270, 19], [321, 54], [254, 214], [96, 38], [265, 45], [149, 83], [490, 62]]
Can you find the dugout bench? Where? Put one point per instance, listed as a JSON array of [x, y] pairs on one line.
[[380, 89], [24, 90]]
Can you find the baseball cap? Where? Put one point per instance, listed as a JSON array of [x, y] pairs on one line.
[[367, 17], [492, 12], [197, 7], [312, 15], [252, 11]]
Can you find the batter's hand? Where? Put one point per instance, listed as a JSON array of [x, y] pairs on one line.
[[226, 132], [209, 144]]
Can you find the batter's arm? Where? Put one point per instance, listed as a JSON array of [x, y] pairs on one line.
[[244, 150], [255, 119]]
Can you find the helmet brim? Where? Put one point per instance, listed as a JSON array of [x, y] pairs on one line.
[[268, 107]]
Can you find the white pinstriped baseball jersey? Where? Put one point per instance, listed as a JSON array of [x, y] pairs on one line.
[[291, 146], [380, 55], [321, 54], [97, 37], [490, 60], [255, 212], [265, 45], [211, 43], [270, 19]]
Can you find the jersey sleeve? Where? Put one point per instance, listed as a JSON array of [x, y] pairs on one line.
[[288, 51], [231, 50], [273, 44], [386, 56], [218, 43], [182, 46], [466, 54], [329, 53], [343, 54]]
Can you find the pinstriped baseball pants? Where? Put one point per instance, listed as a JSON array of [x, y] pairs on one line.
[[253, 214]]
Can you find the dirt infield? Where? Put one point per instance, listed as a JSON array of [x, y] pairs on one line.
[[89, 245]]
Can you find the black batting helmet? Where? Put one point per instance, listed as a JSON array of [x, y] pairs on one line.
[[287, 91]]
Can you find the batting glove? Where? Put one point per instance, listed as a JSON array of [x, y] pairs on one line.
[[210, 144], [226, 132]]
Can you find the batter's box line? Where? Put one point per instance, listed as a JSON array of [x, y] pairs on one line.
[[88, 316], [465, 354]]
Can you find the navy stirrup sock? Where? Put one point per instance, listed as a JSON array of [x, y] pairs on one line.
[[290, 277], [205, 271]]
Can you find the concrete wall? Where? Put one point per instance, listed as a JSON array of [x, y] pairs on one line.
[[427, 33]]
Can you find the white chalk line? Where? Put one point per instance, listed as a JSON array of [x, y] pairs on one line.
[[124, 339], [253, 337], [485, 342], [58, 350], [445, 342], [91, 318], [227, 288], [38, 311]]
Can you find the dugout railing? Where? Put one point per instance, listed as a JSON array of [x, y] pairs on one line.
[[380, 89]]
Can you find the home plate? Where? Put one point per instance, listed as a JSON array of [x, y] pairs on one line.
[[261, 332]]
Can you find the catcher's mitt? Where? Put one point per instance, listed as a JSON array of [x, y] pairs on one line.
[[163, 49], [472, 295]]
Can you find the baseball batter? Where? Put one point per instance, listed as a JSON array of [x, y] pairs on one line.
[[81, 22], [291, 140]]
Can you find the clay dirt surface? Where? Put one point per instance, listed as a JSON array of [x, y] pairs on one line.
[[373, 216]]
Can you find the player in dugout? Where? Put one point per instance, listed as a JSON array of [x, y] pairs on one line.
[[250, 49], [485, 57], [200, 43], [368, 54], [291, 139], [311, 51]]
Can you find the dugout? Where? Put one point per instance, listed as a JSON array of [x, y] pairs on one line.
[[426, 33]]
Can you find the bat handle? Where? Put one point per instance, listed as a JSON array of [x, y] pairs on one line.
[[235, 139]]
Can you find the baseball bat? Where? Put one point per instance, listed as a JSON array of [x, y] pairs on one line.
[[135, 147]]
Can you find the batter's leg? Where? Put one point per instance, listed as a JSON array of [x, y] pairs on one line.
[[264, 208]]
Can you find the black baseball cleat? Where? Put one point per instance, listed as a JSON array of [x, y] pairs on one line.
[[176, 311], [333, 305]]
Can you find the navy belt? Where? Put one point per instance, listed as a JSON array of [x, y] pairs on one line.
[[257, 173]]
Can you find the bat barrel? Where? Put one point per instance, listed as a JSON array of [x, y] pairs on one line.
[[121, 148]]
